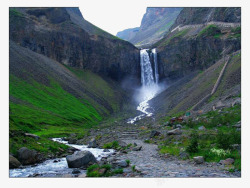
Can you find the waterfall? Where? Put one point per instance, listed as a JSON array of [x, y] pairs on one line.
[[149, 81], [156, 66], [147, 78]]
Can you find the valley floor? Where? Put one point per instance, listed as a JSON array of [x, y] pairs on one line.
[[151, 164]]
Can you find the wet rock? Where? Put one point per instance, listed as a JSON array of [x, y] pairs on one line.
[[13, 162], [174, 132], [106, 150], [72, 140], [27, 156], [228, 161], [135, 144], [76, 171], [202, 128], [80, 159], [92, 143], [137, 148], [32, 136], [199, 159], [154, 133]]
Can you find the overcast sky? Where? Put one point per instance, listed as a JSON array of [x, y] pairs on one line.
[[121, 15]]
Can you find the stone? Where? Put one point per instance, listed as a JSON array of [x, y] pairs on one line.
[[92, 143], [72, 141], [199, 159], [27, 156], [121, 163], [178, 126], [202, 128], [184, 155], [32, 136], [228, 161], [137, 148], [154, 133], [105, 150], [82, 176], [135, 144], [13, 162], [76, 171], [80, 159], [174, 132], [122, 143]]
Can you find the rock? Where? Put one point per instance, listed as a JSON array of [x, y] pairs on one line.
[[236, 101], [80, 159], [237, 125], [76, 171], [178, 126], [174, 132], [72, 140], [92, 143], [202, 128], [228, 161], [135, 144], [137, 148], [121, 163], [13, 162], [32, 136], [219, 125], [122, 143], [110, 159], [184, 155], [236, 146], [102, 170], [55, 161], [154, 133], [27, 156], [82, 176], [199, 159], [105, 150]]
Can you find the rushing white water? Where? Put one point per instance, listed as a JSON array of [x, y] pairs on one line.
[[50, 168], [149, 87]]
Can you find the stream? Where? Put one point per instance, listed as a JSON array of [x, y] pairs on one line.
[[56, 167]]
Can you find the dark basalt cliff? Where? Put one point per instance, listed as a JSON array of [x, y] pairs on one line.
[[201, 36], [64, 39]]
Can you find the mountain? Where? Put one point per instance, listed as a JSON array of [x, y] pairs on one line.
[[63, 79], [154, 25], [191, 56]]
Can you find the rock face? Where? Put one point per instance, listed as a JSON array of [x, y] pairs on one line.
[[154, 25], [13, 162], [80, 159], [64, 40], [27, 156]]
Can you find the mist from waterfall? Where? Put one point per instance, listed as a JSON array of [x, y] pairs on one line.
[[149, 80]]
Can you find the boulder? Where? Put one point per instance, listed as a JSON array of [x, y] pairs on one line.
[[174, 132], [121, 163], [80, 159], [105, 150], [122, 143], [202, 128], [137, 148], [13, 162], [199, 159], [154, 133], [32, 136], [27, 156], [76, 171], [228, 161], [72, 140], [92, 143]]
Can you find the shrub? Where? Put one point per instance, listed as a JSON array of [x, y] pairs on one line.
[[111, 145], [117, 171], [225, 140], [210, 30], [193, 145], [133, 168], [128, 161]]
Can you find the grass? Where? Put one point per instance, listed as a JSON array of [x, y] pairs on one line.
[[16, 13], [177, 35], [95, 171], [210, 30], [111, 145]]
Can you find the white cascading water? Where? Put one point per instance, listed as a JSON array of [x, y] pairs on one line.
[[149, 84]]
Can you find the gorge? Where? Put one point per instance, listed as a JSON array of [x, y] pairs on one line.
[[72, 84]]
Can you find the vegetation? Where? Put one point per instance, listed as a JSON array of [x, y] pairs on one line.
[[210, 30], [235, 32], [113, 145], [102, 171]]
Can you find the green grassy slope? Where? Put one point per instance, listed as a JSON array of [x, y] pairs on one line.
[[51, 100]]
